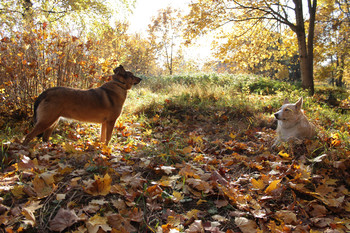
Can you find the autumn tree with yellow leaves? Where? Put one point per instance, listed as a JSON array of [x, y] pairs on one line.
[[165, 35], [332, 46], [294, 15]]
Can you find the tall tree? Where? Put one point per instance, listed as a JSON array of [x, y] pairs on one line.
[[164, 34], [211, 14], [332, 41]]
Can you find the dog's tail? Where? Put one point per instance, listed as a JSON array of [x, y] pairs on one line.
[[36, 105], [38, 100]]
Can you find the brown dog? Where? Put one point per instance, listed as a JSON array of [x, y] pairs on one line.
[[100, 105]]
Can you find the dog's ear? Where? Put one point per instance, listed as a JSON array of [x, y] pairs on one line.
[[119, 70], [286, 101], [299, 104]]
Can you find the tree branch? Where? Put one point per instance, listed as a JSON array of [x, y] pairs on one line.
[[268, 10]]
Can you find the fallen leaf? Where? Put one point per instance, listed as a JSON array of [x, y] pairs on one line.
[[60, 197], [187, 150], [121, 223], [246, 225], [321, 222], [221, 203], [168, 169], [258, 184], [136, 215], [219, 218], [318, 159], [96, 222], [318, 210], [48, 177], [273, 185], [199, 184], [195, 227], [287, 216], [63, 219], [192, 213], [261, 213], [100, 186], [29, 210], [17, 191], [41, 188], [177, 196], [283, 154], [119, 204]]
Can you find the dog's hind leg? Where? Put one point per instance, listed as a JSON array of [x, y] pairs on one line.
[[39, 128], [48, 132]]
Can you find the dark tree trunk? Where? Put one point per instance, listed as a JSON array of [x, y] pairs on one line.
[[305, 47]]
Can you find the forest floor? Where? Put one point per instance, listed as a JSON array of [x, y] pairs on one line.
[[182, 160]]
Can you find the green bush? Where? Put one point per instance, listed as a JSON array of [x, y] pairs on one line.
[[266, 86]]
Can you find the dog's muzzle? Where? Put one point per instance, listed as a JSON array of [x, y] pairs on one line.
[[276, 115], [138, 80]]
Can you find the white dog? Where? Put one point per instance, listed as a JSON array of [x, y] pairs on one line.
[[292, 123]]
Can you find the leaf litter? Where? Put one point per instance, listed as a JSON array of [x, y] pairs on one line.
[[180, 172]]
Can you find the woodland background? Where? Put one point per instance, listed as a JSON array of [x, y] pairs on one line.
[[192, 149]]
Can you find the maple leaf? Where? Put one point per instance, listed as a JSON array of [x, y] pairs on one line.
[[168, 181], [273, 185], [48, 177], [177, 196], [29, 215], [119, 204], [199, 184], [27, 164], [192, 213], [136, 215], [187, 150], [96, 222], [63, 219], [100, 186], [17, 191], [187, 171], [120, 223], [119, 189], [135, 181], [258, 184], [41, 188], [155, 191]]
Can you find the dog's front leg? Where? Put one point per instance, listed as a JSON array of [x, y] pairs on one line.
[[103, 131], [110, 126]]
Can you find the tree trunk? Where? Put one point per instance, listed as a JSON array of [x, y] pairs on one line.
[[310, 41], [305, 50], [340, 70]]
